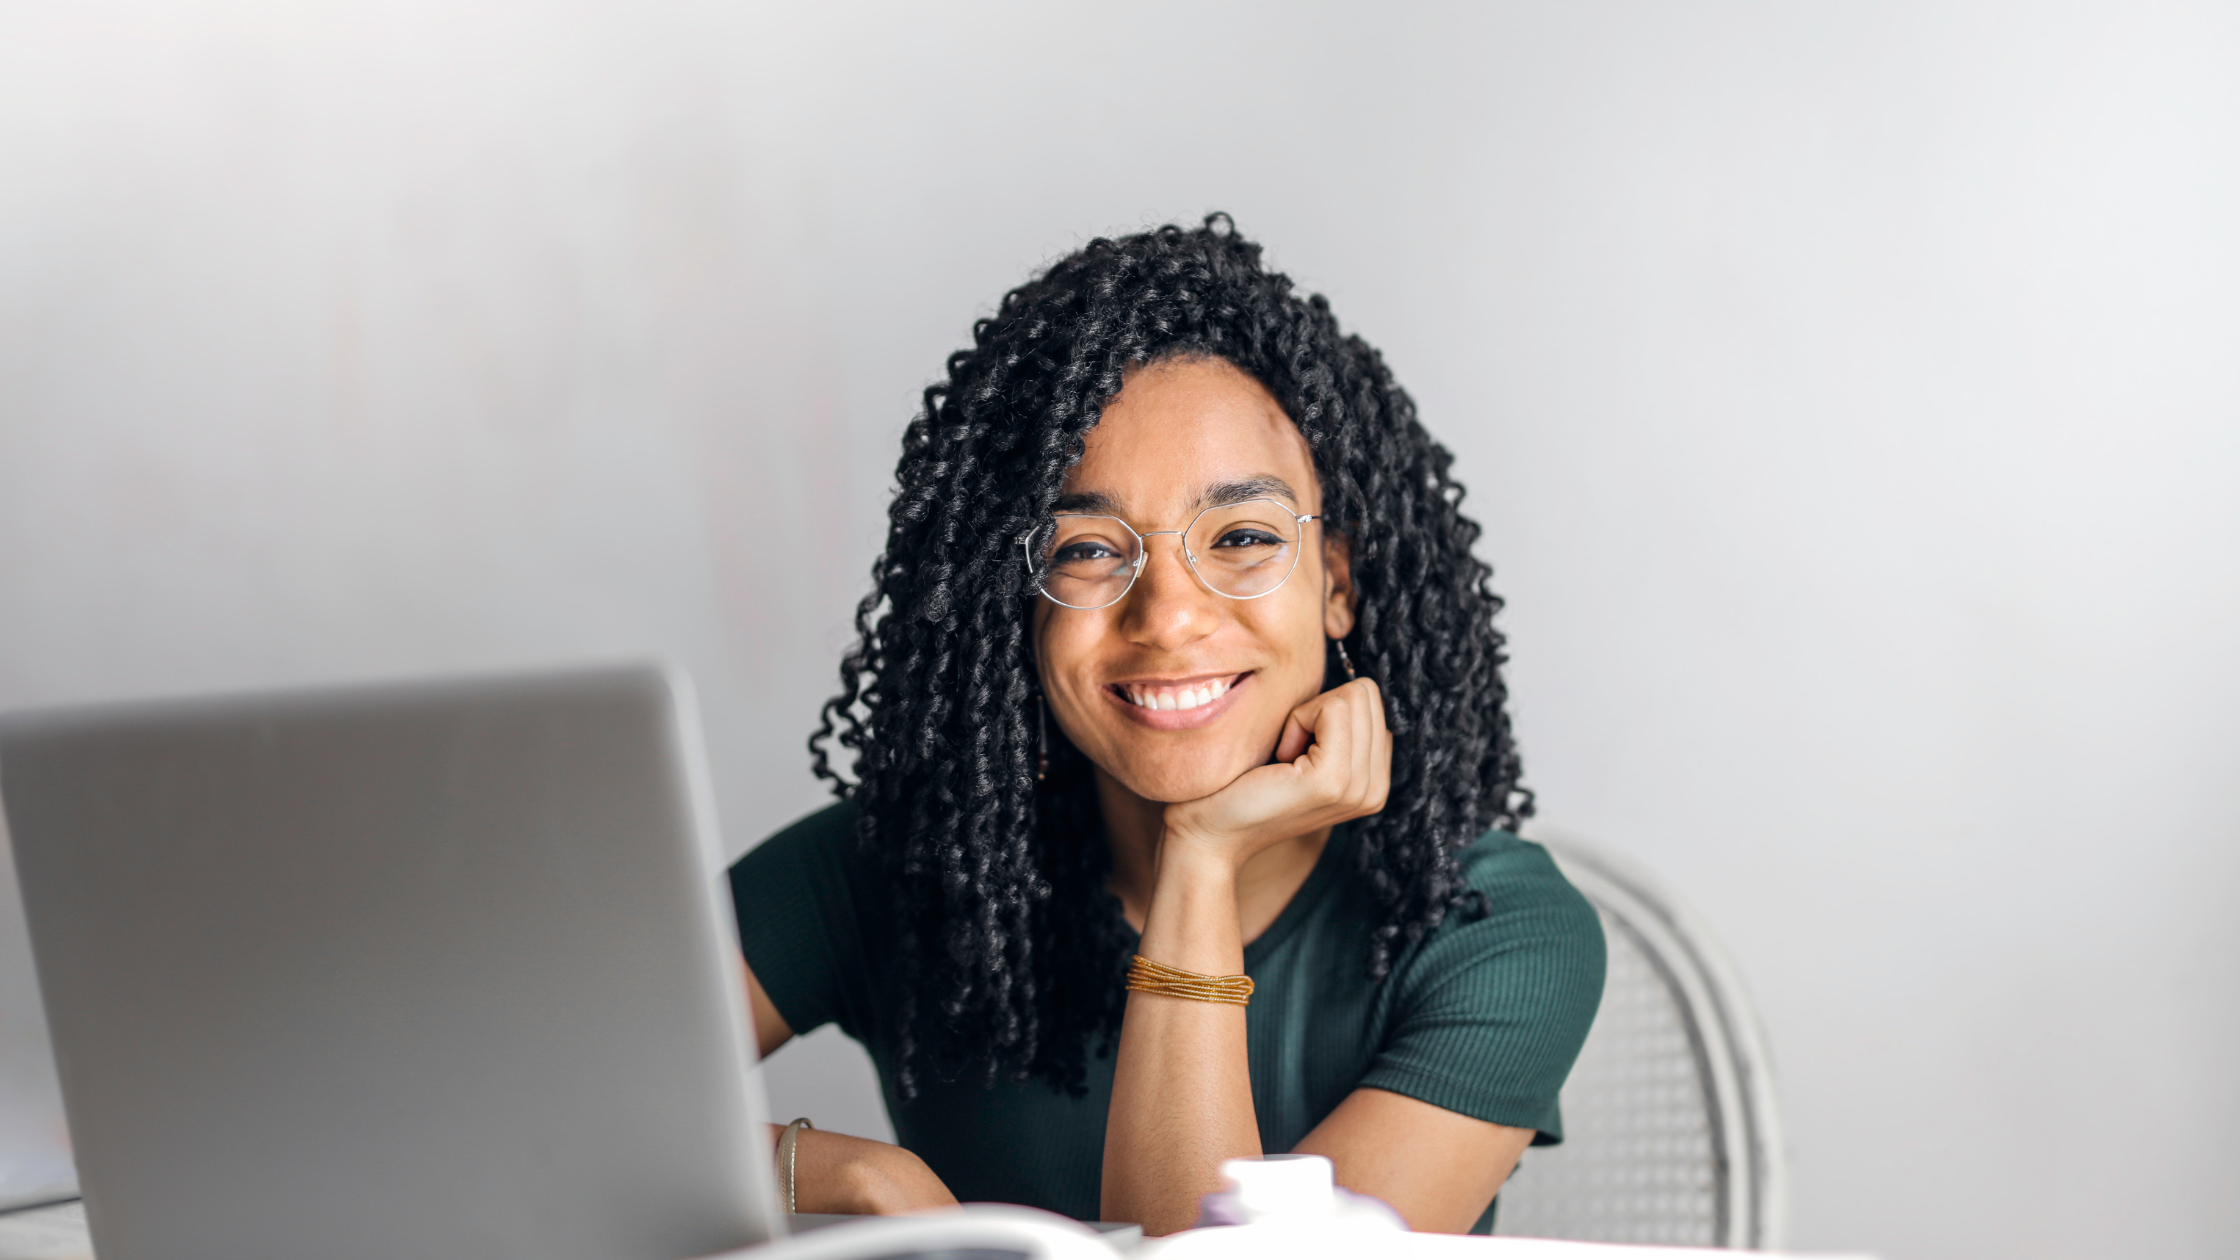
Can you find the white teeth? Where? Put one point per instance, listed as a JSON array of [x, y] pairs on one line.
[[1166, 699]]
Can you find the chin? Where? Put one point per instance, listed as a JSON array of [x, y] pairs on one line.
[[1168, 784]]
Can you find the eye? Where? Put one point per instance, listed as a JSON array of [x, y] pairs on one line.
[[1086, 551], [1247, 536]]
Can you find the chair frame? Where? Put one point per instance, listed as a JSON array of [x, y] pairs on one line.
[[1723, 1029]]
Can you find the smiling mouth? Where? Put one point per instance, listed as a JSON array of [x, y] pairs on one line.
[[1176, 696]]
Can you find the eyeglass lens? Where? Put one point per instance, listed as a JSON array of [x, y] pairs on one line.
[[1240, 550]]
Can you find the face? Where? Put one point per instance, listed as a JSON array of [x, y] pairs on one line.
[[1174, 691]]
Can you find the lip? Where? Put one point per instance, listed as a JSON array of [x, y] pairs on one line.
[[1177, 719]]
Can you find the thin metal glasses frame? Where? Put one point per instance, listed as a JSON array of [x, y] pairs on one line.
[[1143, 552]]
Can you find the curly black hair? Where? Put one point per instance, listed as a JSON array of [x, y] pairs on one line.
[[1010, 945]]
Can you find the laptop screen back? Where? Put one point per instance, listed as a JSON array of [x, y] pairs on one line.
[[437, 970], [34, 1142]]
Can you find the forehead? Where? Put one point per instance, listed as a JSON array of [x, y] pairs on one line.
[[1180, 429]]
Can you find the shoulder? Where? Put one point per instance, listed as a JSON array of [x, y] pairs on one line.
[[831, 829], [1518, 876], [813, 863], [1538, 932], [1490, 1009], [798, 898], [822, 843]]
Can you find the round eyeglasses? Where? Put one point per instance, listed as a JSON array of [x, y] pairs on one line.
[[1241, 550]]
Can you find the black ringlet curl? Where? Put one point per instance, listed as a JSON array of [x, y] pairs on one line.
[[1011, 948]]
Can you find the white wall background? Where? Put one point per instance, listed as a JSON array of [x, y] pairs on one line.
[[1851, 393]]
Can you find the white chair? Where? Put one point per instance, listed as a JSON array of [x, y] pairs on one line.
[[1671, 1130]]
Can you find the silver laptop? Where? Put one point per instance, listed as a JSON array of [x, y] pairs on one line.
[[440, 970], [34, 1141]]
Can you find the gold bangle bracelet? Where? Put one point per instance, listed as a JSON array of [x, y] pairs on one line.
[[1146, 976]]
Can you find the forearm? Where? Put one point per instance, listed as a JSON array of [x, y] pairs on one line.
[[834, 1172], [1182, 1087]]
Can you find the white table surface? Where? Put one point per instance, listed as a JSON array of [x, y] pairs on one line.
[[58, 1232], [45, 1233]]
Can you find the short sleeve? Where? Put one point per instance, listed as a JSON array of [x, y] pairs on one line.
[[795, 898], [1489, 1014]]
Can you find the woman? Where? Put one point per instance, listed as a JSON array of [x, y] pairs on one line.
[[1177, 669]]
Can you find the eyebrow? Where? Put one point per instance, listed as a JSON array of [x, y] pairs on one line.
[[1250, 488], [1219, 494], [1096, 501]]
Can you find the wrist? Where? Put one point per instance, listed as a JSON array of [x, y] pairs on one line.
[[1192, 920], [890, 1179], [856, 1176], [883, 1180], [1187, 858]]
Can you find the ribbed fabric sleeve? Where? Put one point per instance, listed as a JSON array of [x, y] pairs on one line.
[[795, 895], [1488, 1016]]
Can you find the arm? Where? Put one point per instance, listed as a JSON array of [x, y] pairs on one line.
[[1182, 1087], [834, 1172], [1438, 1168], [1489, 1018], [1181, 1091]]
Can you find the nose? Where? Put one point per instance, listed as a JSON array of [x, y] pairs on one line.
[[1168, 607]]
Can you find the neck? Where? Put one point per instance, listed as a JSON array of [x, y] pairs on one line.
[[1135, 828]]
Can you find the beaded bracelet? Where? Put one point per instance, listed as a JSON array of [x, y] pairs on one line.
[[1146, 976]]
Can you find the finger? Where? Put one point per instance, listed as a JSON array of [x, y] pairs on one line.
[[1365, 745], [1340, 767], [1337, 741], [1340, 726], [1382, 760], [1310, 711], [1380, 746], [1307, 720], [1376, 703]]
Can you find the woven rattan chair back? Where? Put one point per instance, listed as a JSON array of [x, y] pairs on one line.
[[1671, 1129]]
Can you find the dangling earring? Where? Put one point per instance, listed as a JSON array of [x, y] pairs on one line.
[[1343, 659], [1041, 739]]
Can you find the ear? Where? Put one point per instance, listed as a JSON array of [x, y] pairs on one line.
[[1337, 585]]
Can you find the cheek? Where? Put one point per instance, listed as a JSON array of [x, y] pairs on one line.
[[1294, 642], [1065, 654]]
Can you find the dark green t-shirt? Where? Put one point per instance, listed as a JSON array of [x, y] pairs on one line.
[[1483, 1016]]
